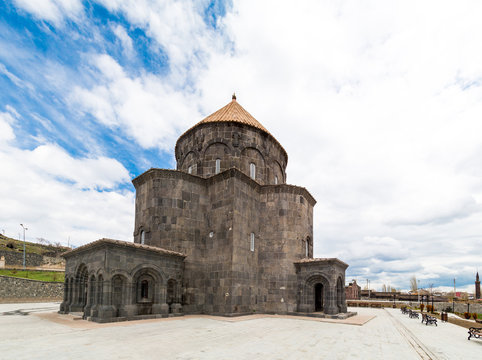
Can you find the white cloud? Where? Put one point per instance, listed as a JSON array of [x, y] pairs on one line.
[[178, 29], [125, 40], [58, 195], [377, 103], [145, 108], [54, 11], [7, 119], [380, 125]]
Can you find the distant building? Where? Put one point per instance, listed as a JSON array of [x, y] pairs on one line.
[[352, 291], [477, 286]]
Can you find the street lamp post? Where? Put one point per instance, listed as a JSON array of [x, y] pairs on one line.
[[418, 292], [24, 228]]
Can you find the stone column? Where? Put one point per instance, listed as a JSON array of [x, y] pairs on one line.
[[88, 302], [331, 308], [106, 311], [64, 306], [343, 307], [161, 307], [129, 308], [75, 305]]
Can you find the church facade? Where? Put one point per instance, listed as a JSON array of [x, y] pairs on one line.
[[222, 234]]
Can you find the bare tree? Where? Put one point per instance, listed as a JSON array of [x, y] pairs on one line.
[[413, 283], [41, 240], [384, 288]]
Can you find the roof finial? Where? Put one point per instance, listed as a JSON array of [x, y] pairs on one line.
[[234, 96]]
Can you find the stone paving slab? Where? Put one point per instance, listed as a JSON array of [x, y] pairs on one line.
[[30, 331], [77, 322]]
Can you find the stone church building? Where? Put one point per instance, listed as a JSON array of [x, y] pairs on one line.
[[222, 234]]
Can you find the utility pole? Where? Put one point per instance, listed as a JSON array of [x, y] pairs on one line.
[[24, 228]]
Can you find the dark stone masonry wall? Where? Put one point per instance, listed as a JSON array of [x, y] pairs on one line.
[[25, 289], [211, 221], [236, 145]]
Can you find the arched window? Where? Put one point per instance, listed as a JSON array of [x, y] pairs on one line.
[[144, 289], [189, 170], [218, 166], [252, 171], [251, 245], [143, 237], [276, 179]]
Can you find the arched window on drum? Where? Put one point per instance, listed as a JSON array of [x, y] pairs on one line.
[[252, 171]]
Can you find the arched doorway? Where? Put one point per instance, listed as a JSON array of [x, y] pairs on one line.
[[319, 295]]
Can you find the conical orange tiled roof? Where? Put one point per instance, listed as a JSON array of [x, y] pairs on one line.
[[233, 112]]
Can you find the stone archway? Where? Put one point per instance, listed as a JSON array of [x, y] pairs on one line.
[[79, 287], [147, 291], [314, 294]]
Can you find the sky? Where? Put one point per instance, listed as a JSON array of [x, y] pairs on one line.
[[378, 104]]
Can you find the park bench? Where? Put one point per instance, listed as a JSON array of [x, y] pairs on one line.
[[475, 332], [429, 319], [413, 314]]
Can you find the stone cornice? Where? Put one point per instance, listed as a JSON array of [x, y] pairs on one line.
[[320, 261], [119, 243], [154, 173]]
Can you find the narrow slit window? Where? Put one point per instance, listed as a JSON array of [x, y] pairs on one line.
[[218, 166], [143, 237], [307, 250], [276, 180], [251, 245], [252, 171], [189, 170]]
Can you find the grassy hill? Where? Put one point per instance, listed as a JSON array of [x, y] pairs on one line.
[[9, 244], [53, 276]]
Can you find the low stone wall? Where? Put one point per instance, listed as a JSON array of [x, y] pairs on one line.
[[459, 307], [16, 258], [12, 289]]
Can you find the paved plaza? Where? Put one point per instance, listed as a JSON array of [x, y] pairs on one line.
[[36, 331]]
